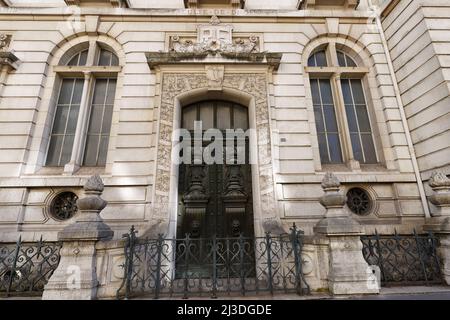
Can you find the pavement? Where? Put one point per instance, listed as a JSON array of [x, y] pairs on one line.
[[391, 293], [410, 293], [386, 293]]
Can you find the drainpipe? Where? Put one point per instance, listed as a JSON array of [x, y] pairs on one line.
[[412, 152]]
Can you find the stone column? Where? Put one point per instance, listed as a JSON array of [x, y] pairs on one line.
[[349, 273], [440, 221], [76, 275]]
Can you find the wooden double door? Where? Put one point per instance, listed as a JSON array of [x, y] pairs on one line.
[[216, 198]]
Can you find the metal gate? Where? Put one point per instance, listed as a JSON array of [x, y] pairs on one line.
[[26, 267], [404, 259], [230, 266]]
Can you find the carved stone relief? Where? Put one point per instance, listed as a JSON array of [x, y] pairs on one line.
[[7, 58], [5, 40], [253, 84], [215, 76], [212, 39]]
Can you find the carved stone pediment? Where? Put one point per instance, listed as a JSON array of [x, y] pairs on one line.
[[213, 42], [159, 58], [214, 46], [214, 38]]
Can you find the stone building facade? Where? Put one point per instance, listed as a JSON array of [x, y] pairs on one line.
[[357, 88]]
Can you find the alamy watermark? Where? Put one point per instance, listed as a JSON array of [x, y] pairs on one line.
[[374, 277], [73, 281], [213, 146]]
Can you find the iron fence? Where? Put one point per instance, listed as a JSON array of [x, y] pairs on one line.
[[25, 268], [404, 259], [214, 266]]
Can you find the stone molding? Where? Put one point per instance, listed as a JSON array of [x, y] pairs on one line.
[[235, 4], [313, 4], [162, 58], [113, 3]]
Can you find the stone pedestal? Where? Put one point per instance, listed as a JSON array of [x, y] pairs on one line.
[[440, 221], [444, 253], [76, 275], [349, 272]]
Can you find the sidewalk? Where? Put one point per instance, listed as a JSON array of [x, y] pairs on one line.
[[392, 293]]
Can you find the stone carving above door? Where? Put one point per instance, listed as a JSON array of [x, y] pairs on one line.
[[213, 40], [215, 74]]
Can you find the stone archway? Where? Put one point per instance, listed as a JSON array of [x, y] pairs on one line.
[[253, 85]]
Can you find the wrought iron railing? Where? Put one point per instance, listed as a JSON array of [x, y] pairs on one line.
[[26, 267], [215, 266], [404, 259]]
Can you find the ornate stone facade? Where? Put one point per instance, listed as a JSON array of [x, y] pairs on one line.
[[254, 52], [252, 84]]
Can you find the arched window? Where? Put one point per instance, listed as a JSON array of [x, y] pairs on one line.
[[344, 60], [342, 117], [84, 108], [107, 58], [318, 59], [220, 115], [79, 59]]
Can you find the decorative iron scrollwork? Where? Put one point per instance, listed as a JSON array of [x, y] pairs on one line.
[[64, 206], [358, 201], [404, 259], [213, 266], [25, 268]]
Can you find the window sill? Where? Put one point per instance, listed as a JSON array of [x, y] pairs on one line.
[[364, 168], [50, 171], [90, 171], [377, 167], [59, 171]]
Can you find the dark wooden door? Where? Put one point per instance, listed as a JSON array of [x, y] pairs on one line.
[[216, 199]]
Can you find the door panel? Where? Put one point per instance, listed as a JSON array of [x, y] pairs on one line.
[[224, 204]]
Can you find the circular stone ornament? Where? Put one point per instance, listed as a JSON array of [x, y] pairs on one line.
[[64, 206], [359, 201]]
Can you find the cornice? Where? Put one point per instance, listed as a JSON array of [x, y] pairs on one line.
[[166, 58], [388, 7]]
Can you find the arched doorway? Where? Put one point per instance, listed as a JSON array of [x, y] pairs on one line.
[[216, 196]]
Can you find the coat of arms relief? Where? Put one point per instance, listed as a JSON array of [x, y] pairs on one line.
[[214, 38]]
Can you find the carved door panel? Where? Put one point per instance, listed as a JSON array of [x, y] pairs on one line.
[[223, 206]]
